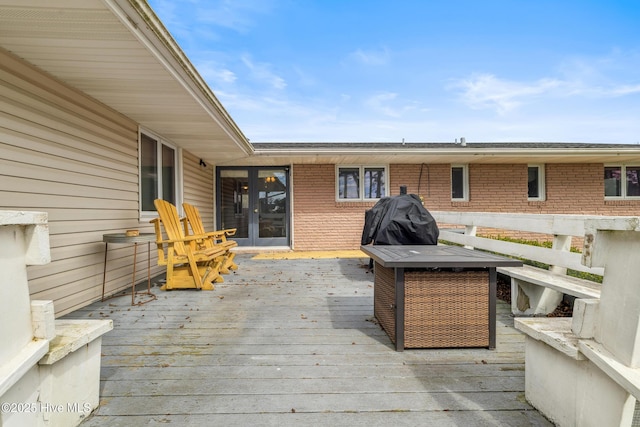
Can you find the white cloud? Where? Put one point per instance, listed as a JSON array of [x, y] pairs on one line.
[[262, 72], [285, 119], [390, 105], [216, 75], [607, 76], [238, 15], [371, 57], [624, 90], [239, 103], [380, 103], [487, 91], [304, 78], [580, 77]]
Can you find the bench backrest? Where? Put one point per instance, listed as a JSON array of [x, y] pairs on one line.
[[563, 228]]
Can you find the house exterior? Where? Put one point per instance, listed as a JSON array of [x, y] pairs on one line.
[[101, 112], [545, 178]]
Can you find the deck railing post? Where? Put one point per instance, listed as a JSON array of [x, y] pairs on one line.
[[470, 230], [560, 243]]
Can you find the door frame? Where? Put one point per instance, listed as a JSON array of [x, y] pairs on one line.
[[254, 238]]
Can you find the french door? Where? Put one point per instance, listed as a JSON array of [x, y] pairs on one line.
[[255, 201]]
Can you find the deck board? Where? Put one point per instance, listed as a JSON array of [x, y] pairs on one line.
[[294, 342]]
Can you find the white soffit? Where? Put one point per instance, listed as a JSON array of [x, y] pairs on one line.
[[118, 52]]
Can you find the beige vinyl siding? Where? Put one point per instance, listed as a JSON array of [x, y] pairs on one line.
[[198, 187], [68, 155]]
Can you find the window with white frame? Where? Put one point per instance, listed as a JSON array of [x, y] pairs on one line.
[[158, 172], [535, 178], [360, 182], [459, 182], [622, 181]]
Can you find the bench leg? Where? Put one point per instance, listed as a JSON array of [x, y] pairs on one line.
[[530, 299]]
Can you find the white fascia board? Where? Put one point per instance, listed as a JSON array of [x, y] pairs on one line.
[[140, 19]]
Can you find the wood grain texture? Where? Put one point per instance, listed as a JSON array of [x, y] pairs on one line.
[[294, 342]]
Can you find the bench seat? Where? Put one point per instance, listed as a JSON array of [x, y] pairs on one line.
[[538, 291], [579, 288], [574, 381], [553, 331], [70, 371]]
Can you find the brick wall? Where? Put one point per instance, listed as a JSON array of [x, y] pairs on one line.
[[320, 222]]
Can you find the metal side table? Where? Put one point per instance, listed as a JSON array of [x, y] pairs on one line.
[[122, 238]]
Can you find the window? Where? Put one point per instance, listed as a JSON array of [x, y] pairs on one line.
[[536, 182], [459, 183], [361, 182], [158, 172], [615, 187]]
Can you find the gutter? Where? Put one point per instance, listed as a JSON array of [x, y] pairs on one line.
[[564, 147], [441, 151], [470, 153]]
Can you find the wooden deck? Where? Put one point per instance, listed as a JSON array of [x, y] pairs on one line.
[[294, 342]]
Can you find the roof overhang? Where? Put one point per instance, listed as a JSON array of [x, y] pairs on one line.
[[450, 153], [119, 53]]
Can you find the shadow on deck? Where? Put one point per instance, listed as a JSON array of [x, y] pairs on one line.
[[294, 342]]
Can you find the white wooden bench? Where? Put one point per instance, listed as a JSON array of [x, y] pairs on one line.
[[585, 370], [538, 291], [533, 290], [50, 367]]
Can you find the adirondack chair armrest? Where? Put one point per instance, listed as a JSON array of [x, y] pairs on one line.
[[212, 234], [230, 231], [220, 233], [184, 239], [156, 225]]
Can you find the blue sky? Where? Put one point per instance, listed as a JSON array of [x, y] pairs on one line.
[[425, 71]]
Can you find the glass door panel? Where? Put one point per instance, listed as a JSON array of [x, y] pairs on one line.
[[255, 201], [272, 203], [234, 201]]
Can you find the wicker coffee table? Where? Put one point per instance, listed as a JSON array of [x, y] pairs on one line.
[[436, 296]]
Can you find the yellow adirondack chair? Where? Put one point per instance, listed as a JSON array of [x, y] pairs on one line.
[[187, 266], [215, 238]]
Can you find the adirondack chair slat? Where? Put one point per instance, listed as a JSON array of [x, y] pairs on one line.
[[187, 265], [215, 239]]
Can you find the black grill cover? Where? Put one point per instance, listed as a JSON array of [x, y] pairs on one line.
[[399, 220]]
